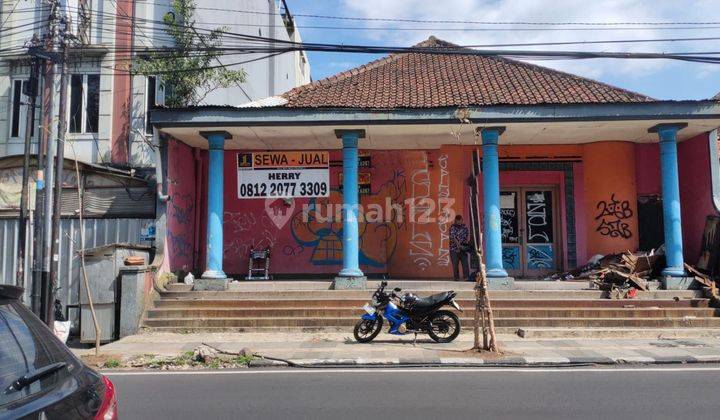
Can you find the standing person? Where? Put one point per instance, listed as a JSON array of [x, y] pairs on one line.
[[459, 247]]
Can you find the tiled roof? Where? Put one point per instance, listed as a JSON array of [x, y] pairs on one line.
[[415, 80]]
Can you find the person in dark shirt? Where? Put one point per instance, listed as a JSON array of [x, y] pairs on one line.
[[459, 247]]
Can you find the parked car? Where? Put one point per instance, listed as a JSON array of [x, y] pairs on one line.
[[40, 378]]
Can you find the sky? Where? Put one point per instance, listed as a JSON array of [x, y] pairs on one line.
[[661, 79]]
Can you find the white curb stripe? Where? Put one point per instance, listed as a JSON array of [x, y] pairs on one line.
[[327, 371]]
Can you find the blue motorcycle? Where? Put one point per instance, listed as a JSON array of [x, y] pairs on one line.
[[409, 314]]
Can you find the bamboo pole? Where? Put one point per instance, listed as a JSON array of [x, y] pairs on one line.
[[483, 312]]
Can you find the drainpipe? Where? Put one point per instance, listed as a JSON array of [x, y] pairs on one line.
[[158, 166]]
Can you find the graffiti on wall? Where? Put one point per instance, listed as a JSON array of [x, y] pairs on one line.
[[403, 221], [421, 244], [445, 214], [538, 213], [318, 228], [511, 257], [612, 216], [509, 217], [540, 257], [248, 231], [181, 207]]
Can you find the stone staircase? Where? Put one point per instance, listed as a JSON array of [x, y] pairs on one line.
[[534, 310]]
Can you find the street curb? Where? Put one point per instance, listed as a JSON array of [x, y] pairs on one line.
[[480, 362]]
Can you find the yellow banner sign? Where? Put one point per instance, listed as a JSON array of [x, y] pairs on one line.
[[295, 159]]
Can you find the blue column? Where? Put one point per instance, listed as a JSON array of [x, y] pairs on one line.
[[351, 237], [214, 257], [491, 201], [671, 198]]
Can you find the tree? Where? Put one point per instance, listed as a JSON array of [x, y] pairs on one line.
[[191, 69]]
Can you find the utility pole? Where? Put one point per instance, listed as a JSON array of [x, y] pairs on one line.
[[31, 93], [46, 300], [59, 164], [45, 164]]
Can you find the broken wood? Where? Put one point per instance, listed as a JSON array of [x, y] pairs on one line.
[[699, 277]]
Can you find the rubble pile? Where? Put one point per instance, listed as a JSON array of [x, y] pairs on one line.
[[633, 267], [621, 273]]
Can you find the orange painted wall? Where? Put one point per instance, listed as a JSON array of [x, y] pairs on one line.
[[434, 180], [610, 197], [412, 249], [540, 152]]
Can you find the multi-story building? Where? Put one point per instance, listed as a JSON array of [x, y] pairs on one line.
[[108, 108]]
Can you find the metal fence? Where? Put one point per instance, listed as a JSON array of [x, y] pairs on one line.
[[97, 232]]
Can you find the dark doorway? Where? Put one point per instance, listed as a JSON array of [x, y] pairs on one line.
[[650, 222]]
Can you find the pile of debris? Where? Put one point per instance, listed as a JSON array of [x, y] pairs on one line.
[[633, 266], [623, 274]]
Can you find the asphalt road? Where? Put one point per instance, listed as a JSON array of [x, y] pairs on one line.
[[588, 393]]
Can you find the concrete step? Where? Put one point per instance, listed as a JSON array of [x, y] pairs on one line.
[[464, 303], [534, 333], [689, 322], [330, 312], [178, 287], [295, 285], [619, 333], [462, 294]]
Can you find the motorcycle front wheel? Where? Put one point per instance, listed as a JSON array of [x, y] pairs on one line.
[[443, 326], [365, 331]]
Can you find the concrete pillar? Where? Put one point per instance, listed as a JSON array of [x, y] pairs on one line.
[[350, 276], [491, 201], [214, 258], [667, 133]]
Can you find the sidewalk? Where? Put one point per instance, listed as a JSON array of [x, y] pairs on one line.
[[327, 349]]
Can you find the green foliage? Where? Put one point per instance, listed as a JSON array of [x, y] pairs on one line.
[[112, 364], [243, 360], [191, 70]]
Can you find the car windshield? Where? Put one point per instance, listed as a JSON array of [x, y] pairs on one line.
[[26, 345]]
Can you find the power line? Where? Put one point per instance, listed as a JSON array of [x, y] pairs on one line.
[[474, 22], [612, 26], [275, 46]]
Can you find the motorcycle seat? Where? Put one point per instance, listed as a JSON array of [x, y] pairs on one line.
[[430, 301]]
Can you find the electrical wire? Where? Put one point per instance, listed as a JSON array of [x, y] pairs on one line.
[[271, 46]]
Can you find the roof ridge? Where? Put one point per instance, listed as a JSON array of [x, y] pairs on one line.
[[431, 42]]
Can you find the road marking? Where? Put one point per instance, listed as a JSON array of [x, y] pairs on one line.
[[411, 370]]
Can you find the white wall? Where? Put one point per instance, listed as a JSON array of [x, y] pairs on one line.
[[266, 77]]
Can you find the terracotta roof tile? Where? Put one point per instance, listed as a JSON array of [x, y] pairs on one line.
[[415, 80]]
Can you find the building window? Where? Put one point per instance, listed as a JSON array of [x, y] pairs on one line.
[[84, 111], [18, 110], [149, 102]]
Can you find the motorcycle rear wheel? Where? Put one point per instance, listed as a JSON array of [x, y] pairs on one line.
[[443, 326], [365, 331]]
